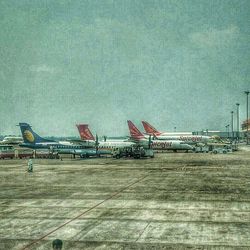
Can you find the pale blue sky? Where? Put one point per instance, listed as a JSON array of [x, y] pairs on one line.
[[172, 63]]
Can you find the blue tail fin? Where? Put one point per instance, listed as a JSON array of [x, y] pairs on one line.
[[29, 136]]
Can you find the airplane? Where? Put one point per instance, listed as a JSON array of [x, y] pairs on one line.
[[86, 135], [12, 139], [157, 144], [34, 141], [186, 137]]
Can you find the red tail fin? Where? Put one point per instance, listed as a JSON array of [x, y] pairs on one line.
[[84, 132], [150, 129], [134, 131]]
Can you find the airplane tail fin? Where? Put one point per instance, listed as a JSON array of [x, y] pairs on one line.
[[150, 129], [29, 136], [135, 132], [85, 132]]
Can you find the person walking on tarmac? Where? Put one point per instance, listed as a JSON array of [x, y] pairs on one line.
[[30, 166]]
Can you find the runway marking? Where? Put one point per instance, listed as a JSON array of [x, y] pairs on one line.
[[143, 231], [98, 204]]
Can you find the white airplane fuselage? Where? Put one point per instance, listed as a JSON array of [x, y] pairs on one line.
[[175, 133], [110, 145], [189, 139], [166, 144], [170, 145]]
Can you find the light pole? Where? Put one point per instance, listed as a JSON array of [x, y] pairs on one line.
[[227, 127], [247, 93], [232, 124], [238, 121]]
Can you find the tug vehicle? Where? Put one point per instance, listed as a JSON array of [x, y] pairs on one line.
[[220, 148], [134, 151], [140, 152]]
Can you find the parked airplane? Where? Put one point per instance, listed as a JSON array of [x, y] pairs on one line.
[[34, 141], [187, 138], [11, 139], [86, 135], [157, 144]]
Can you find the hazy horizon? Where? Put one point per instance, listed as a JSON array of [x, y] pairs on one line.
[[182, 64]]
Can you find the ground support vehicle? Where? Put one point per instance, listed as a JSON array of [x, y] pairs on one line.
[[201, 149], [122, 152], [220, 148], [24, 154], [139, 152], [7, 151], [133, 151]]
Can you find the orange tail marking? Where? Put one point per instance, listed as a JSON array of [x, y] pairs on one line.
[[85, 132], [150, 129], [134, 131]]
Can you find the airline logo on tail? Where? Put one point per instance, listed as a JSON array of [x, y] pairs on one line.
[[84, 132], [150, 129], [134, 131], [28, 136]]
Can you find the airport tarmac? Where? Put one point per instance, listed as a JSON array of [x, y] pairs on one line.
[[174, 201]]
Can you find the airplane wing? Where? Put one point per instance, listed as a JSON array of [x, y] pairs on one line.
[[138, 141], [78, 142], [75, 140]]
